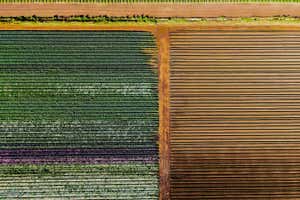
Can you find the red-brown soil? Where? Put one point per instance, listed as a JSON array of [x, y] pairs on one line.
[[151, 9]]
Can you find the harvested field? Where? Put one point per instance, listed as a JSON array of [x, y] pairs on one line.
[[235, 114], [163, 10]]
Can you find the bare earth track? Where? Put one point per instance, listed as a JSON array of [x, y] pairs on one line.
[[188, 10]]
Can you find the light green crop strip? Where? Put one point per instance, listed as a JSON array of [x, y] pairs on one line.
[[111, 181]]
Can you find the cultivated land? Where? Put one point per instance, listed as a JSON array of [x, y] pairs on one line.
[[80, 181], [234, 114], [78, 115]]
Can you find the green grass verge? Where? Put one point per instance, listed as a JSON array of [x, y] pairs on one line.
[[81, 18], [141, 20]]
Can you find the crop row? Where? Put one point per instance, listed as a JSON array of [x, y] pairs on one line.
[[113, 181]]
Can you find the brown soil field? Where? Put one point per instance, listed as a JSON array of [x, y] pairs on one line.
[[227, 139], [151, 9]]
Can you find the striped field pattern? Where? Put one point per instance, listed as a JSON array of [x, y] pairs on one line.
[[78, 115], [235, 114]]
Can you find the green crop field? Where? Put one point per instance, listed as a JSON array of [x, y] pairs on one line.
[[150, 1], [78, 115], [109, 182]]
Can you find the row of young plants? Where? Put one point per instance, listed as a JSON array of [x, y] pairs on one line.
[[112, 181]]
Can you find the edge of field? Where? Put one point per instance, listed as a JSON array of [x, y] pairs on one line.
[[149, 26]]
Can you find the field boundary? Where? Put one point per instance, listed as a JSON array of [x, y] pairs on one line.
[[160, 10], [78, 26], [162, 36]]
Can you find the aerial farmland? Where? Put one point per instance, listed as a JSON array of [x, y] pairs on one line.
[[149, 100]]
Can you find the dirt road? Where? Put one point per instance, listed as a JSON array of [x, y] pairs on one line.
[[151, 9]]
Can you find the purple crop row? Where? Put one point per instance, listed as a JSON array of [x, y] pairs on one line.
[[92, 156]]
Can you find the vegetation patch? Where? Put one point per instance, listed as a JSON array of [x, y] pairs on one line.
[[86, 19], [78, 114], [80, 18]]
